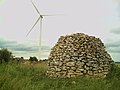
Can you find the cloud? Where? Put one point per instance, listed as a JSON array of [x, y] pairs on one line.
[[113, 48], [4, 43], [113, 44], [115, 31], [22, 47]]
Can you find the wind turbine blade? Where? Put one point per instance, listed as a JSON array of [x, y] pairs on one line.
[[53, 15], [35, 7], [33, 26]]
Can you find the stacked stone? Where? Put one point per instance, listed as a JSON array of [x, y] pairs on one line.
[[79, 54]]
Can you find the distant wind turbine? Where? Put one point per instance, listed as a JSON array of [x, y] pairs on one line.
[[39, 19]]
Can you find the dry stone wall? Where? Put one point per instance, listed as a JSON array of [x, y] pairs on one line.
[[79, 54]]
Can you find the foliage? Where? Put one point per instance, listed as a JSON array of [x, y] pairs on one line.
[[5, 55], [32, 77], [33, 59], [115, 72]]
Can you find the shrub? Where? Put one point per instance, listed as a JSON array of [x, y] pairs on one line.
[[115, 72], [5, 55], [33, 59]]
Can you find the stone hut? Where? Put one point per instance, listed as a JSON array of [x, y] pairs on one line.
[[79, 54]]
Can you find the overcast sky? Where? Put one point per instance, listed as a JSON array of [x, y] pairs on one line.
[[100, 18]]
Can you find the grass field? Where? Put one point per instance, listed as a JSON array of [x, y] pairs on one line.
[[118, 65], [32, 77]]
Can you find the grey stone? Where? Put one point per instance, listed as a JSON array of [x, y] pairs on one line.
[[78, 54], [70, 64]]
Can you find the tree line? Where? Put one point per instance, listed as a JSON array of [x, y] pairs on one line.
[[6, 56]]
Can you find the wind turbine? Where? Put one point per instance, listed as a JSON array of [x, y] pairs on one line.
[[40, 18]]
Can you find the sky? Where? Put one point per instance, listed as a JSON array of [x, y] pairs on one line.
[[100, 18]]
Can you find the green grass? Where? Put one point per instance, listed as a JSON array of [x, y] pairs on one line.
[[32, 77], [118, 65]]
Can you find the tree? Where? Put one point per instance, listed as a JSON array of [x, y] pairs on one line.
[[5, 55], [30, 59], [0, 57], [33, 59]]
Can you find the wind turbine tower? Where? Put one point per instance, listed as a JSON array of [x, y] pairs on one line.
[[40, 18]]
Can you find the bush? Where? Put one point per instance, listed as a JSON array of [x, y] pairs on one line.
[[5, 55], [115, 72], [33, 59]]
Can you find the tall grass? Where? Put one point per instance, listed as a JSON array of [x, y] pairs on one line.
[[32, 77]]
